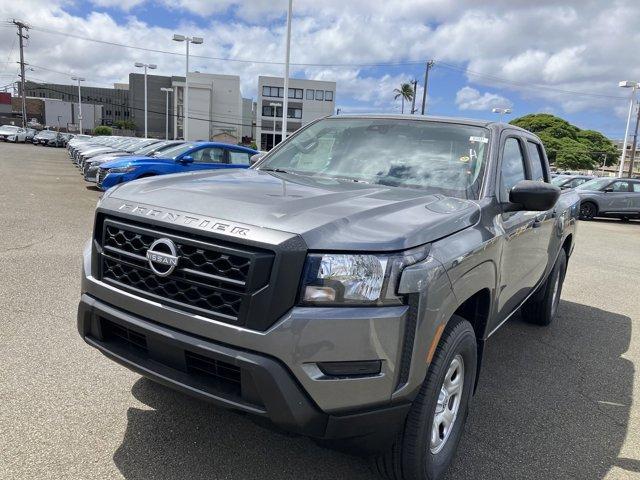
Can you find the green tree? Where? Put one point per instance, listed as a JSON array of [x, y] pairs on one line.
[[125, 124], [567, 146], [102, 130], [405, 92]]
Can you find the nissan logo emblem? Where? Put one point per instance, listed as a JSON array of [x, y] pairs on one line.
[[163, 257]]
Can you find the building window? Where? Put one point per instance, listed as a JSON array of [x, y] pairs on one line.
[[266, 91], [328, 96], [267, 111], [309, 94], [295, 93], [319, 94], [294, 113]]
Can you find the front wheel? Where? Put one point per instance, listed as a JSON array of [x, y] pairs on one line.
[[432, 431], [588, 210]]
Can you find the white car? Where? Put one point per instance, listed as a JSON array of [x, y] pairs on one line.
[[11, 133]]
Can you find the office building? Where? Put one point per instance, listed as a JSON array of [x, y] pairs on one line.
[[215, 107], [308, 100], [115, 101]]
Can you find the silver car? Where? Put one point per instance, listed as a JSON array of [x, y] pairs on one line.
[[609, 197]]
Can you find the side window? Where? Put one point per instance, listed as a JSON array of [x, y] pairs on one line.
[[238, 158], [620, 186], [512, 169], [208, 155], [537, 161], [636, 187], [576, 182]]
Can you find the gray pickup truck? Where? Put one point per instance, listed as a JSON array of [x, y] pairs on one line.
[[344, 287]]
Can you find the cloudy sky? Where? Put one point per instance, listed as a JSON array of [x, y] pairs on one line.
[[559, 56]]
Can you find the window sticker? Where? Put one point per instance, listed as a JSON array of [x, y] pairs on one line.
[[479, 139]]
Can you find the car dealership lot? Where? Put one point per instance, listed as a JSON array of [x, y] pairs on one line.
[[562, 402]]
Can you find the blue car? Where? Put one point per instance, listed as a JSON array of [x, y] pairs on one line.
[[186, 157]]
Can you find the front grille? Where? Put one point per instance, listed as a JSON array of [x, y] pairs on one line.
[[218, 376], [213, 369], [114, 333], [100, 176], [215, 279]]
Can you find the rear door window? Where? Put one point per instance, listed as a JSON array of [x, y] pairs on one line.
[[238, 158], [636, 187]]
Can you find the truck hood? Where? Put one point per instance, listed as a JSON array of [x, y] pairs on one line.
[[328, 214]]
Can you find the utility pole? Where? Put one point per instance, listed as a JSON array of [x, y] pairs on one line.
[[413, 98], [21, 26], [635, 143], [426, 85]]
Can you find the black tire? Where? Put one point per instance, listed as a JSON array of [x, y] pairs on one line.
[[411, 456], [542, 307], [588, 210]]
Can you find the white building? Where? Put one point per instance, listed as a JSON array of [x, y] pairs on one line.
[[308, 100], [64, 115], [215, 107]]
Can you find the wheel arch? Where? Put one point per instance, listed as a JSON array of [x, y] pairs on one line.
[[476, 309]]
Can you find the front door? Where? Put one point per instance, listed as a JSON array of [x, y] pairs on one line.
[[616, 197], [522, 263]]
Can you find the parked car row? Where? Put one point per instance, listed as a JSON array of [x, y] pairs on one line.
[[50, 138], [108, 161]]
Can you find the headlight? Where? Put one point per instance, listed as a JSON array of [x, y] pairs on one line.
[[121, 170], [355, 279]]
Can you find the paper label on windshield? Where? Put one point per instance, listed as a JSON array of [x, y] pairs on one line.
[[479, 139]]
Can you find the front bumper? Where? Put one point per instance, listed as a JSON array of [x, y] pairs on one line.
[[111, 179], [262, 385]]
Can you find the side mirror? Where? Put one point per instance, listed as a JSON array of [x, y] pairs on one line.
[[533, 196], [186, 159], [608, 190], [255, 158]]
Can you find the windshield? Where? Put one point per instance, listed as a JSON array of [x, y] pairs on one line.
[[435, 156], [47, 133], [12, 128], [175, 151], [595, 184], [147, 149], [557, 181]]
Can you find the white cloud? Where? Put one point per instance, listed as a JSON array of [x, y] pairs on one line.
[[468, 98], [538, 50], [125, 5]]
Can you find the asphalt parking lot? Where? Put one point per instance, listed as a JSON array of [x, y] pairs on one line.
[[561, 402]]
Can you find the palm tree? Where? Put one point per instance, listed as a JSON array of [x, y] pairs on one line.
[[405, 92]]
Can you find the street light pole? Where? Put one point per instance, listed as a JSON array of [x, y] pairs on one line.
[[275, 108], [79, 79], [185, 105], [633, 86], [152, 67], [166, 112], [285, 102]]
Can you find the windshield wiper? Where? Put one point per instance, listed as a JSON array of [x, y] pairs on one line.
[[277, 170]]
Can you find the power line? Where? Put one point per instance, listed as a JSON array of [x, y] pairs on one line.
[[531, 86], [224, 59]]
